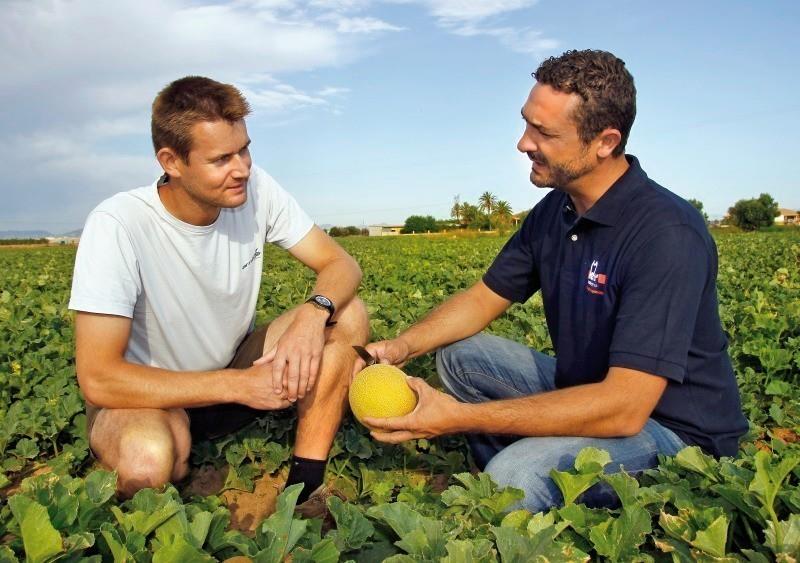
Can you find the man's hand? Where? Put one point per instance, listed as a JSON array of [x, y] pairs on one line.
[[394, 352], [297, 354], [436, 413], [256, 389]]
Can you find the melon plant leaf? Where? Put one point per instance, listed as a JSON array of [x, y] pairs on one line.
[[6, 555], [712, 540], [591, 460], [680, 551], [279, 533], [572, 486], [743, 500], [693, 459], [516, 519], [790, 533], [352, 527], [100, 486], [625, 486], [180, 548], [426, 543], [581, 518], [324, 551], [620, 538], [199, 527], [541, 521], [469, 551], [40, 539], [400, 517], [779, 387], [768, 478], [518, 547]]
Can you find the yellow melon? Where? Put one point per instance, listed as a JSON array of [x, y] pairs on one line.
[[381, 391]]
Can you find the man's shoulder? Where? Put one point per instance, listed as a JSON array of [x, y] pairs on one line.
[[127, 206], [666, 208]]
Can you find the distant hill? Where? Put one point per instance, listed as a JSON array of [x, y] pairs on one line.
[[24, 234]]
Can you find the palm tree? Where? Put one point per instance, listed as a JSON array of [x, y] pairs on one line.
[[457, 212], [487, 201], [502, 210]]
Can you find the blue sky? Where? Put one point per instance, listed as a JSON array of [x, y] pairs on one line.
[[372, 110]]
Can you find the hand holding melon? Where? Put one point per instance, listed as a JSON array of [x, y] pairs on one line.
[[381, 391]]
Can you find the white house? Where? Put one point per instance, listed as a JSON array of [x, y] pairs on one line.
[[787, 217], [384, 230]]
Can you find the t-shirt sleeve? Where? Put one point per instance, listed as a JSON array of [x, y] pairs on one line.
[[659, 300], [106, 276], [513, 273], [287, 223]]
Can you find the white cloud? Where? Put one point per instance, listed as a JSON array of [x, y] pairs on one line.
[[468, 18], [363, 25], [81, 75], [470, 11]]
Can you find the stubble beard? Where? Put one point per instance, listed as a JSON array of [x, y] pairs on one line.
[[561, 175]]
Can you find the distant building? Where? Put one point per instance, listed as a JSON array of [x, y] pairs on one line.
[[787, 217], [63, 240], [384, 230]]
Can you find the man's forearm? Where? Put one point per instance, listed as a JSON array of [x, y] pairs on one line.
[[459, 317], [590, 410], [338, 281], [126, 385]]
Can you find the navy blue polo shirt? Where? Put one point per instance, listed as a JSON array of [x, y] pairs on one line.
[[631, 283]]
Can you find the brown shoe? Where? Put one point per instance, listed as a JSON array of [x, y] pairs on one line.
[[317, 506]]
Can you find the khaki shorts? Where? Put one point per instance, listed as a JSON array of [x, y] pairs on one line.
[[208, 423]]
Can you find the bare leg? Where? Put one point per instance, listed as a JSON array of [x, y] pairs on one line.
[[147, 447], [320, 412]]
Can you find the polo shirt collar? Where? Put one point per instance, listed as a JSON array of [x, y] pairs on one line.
[[607, 209]]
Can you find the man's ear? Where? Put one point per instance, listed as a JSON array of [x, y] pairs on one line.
[[170, 161], [609, 139]]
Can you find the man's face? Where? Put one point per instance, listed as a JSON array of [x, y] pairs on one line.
[[219, 164], [551, 139]]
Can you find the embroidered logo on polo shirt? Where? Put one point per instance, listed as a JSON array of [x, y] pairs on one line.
[[595, 282]]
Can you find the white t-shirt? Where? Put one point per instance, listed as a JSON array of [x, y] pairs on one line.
[[190, 291]]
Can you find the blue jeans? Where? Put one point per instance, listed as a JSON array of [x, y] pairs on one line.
[[485, 368]]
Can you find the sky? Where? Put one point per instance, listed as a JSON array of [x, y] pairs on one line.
[[369, 111]]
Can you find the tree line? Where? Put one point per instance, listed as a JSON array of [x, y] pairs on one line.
[[490, 213]]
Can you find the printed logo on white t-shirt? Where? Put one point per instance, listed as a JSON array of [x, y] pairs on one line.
[[253, 259]]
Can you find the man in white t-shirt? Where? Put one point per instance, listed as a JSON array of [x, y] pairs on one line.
[[165, 288]]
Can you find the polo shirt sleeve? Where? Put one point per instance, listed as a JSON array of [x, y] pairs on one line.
[[513, 275], [660, 295]]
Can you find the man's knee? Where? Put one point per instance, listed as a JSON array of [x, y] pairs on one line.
[[354, 319], [451, 362], [147, 461], [534, 480]]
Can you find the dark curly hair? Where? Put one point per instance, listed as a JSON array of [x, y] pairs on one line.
[[190, 100], [605, 86]]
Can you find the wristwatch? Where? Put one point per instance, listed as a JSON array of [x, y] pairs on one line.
[[322, 302]]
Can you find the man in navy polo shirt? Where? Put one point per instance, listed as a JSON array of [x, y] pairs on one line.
[[627, 272]]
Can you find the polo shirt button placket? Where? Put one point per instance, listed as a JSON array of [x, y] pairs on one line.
[[573, 238]]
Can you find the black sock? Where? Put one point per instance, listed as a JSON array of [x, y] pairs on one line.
[[310, 472]]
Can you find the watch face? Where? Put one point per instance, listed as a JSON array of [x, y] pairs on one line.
[[322, 300]]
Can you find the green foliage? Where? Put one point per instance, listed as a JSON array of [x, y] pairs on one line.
[[347, 231], [691, 508], [756, 213], [421, 224], [697, 204]]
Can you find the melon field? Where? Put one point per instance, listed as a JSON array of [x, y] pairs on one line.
[[422, 501]]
